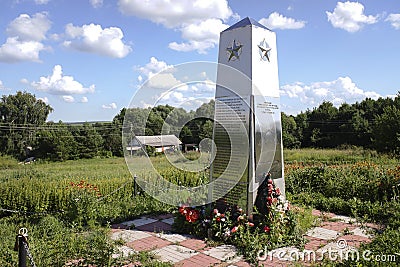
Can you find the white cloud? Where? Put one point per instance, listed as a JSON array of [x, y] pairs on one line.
[[110, 106], [350, 16], [59, 85], [153, 67], [1, 85], [44, 99], [25, 36], [175, 13], [278, 21], [24, 81], [96, 3], [338, 91], [68, 98], [163, 81], [93, 38], [15, 51], [156, 80], [41, 2], [199, 21], [394, 20], [28, 28], [84, 99], [202, 36]]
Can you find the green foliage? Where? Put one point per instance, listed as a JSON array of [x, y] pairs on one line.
[[20, 114], [276, 226], [368, 124]]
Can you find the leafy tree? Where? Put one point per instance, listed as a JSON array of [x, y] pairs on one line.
[[19, 114], [88, 139], [387, 130], [56, 142], [289, 130]]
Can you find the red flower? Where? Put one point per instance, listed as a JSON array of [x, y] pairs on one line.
[[267, 229], [182, 210], [270, 181], [234, 229], [218, 219], [215, 211], [250, 224], [269, 199], [192, 215]]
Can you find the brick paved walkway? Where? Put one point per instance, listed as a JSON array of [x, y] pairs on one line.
[[338, 234]]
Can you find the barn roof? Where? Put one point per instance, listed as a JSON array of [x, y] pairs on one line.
[[159, 140]]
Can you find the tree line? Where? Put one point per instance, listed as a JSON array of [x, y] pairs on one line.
[[24, 132], [371, 124]]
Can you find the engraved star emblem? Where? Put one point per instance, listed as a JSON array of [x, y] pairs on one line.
[[264, 50], [234, 51]]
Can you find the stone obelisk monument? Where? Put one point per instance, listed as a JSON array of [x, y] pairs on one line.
[[247, 94]]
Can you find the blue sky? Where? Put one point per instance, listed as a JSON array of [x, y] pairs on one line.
[[87, 58]]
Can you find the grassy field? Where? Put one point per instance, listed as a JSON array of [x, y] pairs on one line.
[[76, 200]]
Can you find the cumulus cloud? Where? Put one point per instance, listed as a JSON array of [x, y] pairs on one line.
[[202, 36], [155, 80], [109, 106], [68, 98], [29, 28], [278, 21], [96, 3], [350, 16], [93, 38], [16, 51], [153, 67], [199, 21], [175, 13], [26, 34], [394, 19], [59, 84], [84, 99], [338, 91]]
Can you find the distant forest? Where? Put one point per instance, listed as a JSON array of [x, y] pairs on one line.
[[24, 132]]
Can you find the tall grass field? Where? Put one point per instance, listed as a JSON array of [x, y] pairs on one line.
[[68, 206]]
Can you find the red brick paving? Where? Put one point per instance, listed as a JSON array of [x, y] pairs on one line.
[[314, 243], [355, 240], [320, 213], [148, 243], [338, 226], [195, 244], [242, 264], [198, 260], [201, 259]]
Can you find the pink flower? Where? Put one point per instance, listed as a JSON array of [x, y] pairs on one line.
[[278, 191], [234, 229], [215, 211], [250, 224], [270, 181]]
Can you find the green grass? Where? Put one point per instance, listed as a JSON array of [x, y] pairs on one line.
[[346, 181]]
